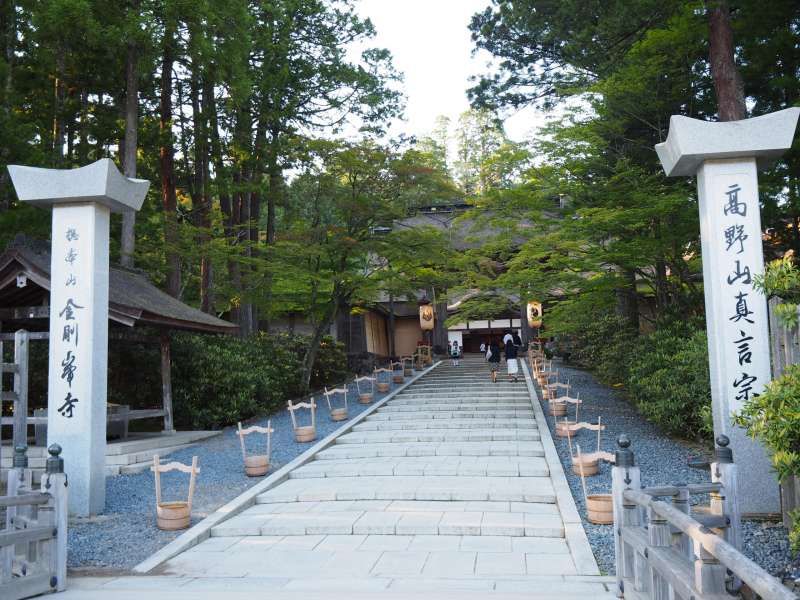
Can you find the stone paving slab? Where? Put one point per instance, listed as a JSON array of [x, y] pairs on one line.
[[445, 488], [497, 466], [533, 448], [455, 422], [440, 435]]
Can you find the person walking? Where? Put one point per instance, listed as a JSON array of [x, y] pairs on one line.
[[494, 359], [455, 353], [511, 361], [517, 341]]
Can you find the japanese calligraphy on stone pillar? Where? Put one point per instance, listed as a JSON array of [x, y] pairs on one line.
[[69, 316], [740, 299]]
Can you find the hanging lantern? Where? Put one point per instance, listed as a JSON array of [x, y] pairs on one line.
[[426, 316], [535, 313]]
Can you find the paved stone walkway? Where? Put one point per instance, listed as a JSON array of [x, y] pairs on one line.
[[450, 486]]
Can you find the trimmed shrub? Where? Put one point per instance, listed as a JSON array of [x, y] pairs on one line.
[[668, 380], [774, 418], [604, 345], [218, 380]]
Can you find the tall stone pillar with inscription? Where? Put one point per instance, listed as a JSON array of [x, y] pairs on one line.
[[726, 156], [82, 201]]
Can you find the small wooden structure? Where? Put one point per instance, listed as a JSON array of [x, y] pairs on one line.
[[397, 372], [664, 549], [256, 465], [133, 302], [599, 507], [33, 541], [174, 515], [383, 384], [424, 355], [366, 389], [563, 426], [408, 365], [588, 464], [337, 413], [304, 433]]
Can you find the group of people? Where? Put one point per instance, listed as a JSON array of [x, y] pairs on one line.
[[511, 345]]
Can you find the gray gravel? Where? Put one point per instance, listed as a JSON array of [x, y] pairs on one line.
[[662, 460], [126, 533]]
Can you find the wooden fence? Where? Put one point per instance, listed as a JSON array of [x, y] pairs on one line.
[[666, 548], [785, 350], [33, 544]]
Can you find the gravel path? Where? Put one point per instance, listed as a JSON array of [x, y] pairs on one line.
[[126, 533], [662, 461]]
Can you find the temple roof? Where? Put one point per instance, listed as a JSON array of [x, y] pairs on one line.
[[132, 298]]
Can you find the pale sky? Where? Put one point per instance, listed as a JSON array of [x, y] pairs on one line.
[[430, 43]]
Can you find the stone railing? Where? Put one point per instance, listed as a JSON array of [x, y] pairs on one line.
[[667, 548], [33, 544]]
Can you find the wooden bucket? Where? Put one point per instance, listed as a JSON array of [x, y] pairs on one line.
[[171, 516], [562, 428], [398, 378], [558, 409], [256, 466], [590, 467], [407, 372], [383, 386], [307, 433], [365, 398], [339, 414], [599, 509]]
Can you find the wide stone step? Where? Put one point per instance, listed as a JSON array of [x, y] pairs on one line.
[[476, 407], [439, 435], [456, 423], [340, 451], [500, 386], [388, 522], [511, 489], [450, 413], [522, 397], [498, 466]]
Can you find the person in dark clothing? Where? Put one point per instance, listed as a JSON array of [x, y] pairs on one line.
[[494, 358], [517, 341], [511, 361]]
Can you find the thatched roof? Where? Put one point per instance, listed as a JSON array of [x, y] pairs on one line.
[[132, 299]]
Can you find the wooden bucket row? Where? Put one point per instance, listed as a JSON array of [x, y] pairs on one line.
[[599, 507]]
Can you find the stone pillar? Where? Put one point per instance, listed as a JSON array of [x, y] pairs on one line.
[[82, 201], [725, 157]]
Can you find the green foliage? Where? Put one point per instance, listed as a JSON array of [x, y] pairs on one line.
[[794, 532], [603, 343], [774, 418], [668, 379], [781, 278], [218, 380]]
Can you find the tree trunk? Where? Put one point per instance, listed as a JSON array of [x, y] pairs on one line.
[[627, 299], [58, 107], [727, 80], [128, 241], [310, 355], [201, 190], [167, 163], [8, 29]]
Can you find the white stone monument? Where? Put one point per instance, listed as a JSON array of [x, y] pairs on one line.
[[82, 201], [725, 156]]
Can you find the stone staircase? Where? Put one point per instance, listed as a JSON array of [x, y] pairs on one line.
[[444, 487]]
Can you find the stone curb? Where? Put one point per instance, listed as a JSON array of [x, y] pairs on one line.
[[202, 530], [578, 543]]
